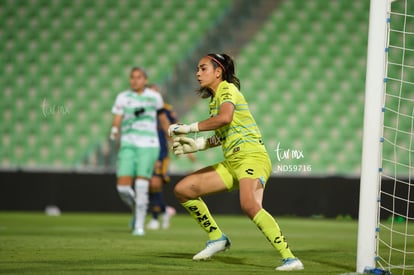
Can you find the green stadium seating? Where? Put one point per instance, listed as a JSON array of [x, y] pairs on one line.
[[303, 74], [75, 56]]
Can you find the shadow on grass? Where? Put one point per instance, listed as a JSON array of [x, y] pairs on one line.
[[223, 259], [186, 256], [327, 258]]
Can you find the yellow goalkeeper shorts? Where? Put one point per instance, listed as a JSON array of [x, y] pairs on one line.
[[255, 165]]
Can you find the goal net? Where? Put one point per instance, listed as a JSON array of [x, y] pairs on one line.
[[395, 230], [386, 200]]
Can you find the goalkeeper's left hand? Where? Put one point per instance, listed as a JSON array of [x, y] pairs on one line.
[[178, 129], [186, 145]]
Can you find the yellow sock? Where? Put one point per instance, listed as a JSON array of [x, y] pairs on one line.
[[267, 224], [198, 209]]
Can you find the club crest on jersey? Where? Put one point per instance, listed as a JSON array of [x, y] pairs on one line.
[[226, 96]]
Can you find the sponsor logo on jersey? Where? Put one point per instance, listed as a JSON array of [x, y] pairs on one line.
[[249, 171]]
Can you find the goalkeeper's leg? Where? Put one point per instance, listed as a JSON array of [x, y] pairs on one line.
[[251, 196], [188, 191]]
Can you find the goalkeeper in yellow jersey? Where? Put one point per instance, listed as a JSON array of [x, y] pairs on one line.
[[246, 166]]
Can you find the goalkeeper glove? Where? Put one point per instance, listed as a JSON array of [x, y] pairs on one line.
[[182, 129], [186, 145]]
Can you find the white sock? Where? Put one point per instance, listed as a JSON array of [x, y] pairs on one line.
[[127, 195], [141, 202]]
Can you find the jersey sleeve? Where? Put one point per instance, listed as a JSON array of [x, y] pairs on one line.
[[159, 104], [118, 107], [227, 93]]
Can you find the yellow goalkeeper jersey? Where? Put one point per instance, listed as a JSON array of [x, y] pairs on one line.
[[242, 134]]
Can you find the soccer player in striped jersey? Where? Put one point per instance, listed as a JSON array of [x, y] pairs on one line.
[[135, 121], [246, 166]]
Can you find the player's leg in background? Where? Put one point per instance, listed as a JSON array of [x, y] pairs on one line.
[[157, 203], [146, 158], [125, 174], [141, 204], [125, 191]]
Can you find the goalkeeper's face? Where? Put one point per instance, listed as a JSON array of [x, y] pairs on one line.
[[137, 80], [207, 75]]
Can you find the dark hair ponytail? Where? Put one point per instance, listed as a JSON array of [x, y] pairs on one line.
[[227, 64]]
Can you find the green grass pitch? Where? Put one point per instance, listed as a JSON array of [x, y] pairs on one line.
[[90, 243]]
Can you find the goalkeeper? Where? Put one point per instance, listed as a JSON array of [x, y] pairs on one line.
[[246, 166]]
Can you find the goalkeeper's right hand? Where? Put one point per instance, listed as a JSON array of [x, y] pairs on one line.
[[186, 145]]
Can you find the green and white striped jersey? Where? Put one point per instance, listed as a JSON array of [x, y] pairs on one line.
[[139, 121]]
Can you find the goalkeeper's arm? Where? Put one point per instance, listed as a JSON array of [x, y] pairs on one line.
[[224, 117]]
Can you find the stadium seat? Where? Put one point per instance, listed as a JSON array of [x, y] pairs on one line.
[[302, 73], [73, 56]]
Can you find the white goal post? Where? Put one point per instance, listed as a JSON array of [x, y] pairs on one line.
[[386, 205], [371, 147]]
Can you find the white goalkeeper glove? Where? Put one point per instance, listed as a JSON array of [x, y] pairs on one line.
[[178, 129], [186, 145], [114, 133]]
